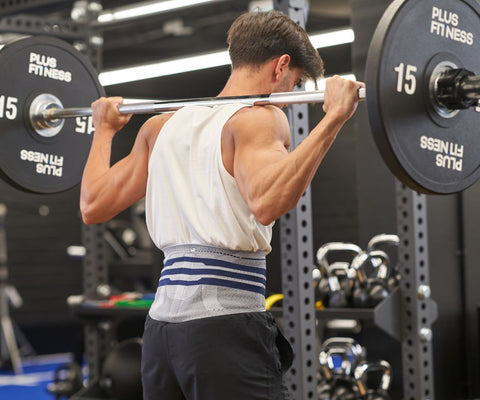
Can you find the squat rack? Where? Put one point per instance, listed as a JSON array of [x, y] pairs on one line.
[[415, 312]]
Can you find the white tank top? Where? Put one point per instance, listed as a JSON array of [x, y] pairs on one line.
[[191, 198]]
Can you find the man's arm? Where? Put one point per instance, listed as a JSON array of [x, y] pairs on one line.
[[107, 190], [271, 179]]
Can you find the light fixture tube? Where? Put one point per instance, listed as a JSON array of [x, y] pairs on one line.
[[146, 8], [205, 61]]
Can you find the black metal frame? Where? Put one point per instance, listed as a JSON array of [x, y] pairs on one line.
[[9, 7], [296, 236], [418, 311], [98, 334], [78, 34]]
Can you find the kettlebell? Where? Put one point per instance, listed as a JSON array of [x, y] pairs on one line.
[[342, 270], [369, 291], [356, 353], [382, 240], [378, 283], [337, 296], [320, 285], [381, 391]]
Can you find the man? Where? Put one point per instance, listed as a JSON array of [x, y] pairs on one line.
[[215, 179]]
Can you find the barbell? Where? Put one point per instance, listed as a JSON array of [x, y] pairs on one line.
[[423, 101]]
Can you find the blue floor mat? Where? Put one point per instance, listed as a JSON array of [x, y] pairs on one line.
[[38, 372]]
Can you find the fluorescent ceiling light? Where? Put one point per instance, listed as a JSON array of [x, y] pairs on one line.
[[205, 61], [310, 85], [147, 8], [333, 38], [260, 5], [136, 100], [164, 68]]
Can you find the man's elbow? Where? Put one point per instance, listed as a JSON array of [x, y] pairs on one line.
[[264, 219], [89, 215], [267, 212], [87, 218], [264, 213]]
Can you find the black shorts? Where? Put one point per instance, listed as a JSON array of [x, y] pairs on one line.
[[231, 357]]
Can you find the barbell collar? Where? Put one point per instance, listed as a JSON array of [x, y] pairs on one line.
[[457, 89], [470, 87], [155, 107]]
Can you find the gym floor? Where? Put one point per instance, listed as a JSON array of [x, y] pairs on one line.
[[38, 373]]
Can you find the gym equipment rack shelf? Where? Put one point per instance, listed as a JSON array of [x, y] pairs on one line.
[[91, 311], [386, 315]]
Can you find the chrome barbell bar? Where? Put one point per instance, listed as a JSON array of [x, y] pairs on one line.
[[54, 112]]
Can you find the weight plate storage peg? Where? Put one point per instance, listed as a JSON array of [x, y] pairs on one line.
[[44, 72], [428, 146]]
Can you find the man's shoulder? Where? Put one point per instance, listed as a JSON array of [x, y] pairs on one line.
[[156, 123], [152, 127], [259, 122], [264, 114]]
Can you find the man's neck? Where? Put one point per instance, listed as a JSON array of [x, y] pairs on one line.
[[247, 81]]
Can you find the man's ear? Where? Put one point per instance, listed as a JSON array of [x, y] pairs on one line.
[[281, 65]]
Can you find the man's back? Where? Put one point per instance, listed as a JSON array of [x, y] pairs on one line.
[[191, 198]]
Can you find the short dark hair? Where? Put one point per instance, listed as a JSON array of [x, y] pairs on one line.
[[256, 37]]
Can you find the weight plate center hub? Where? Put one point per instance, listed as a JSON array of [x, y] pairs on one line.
[[439, 108], [40, 106]]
